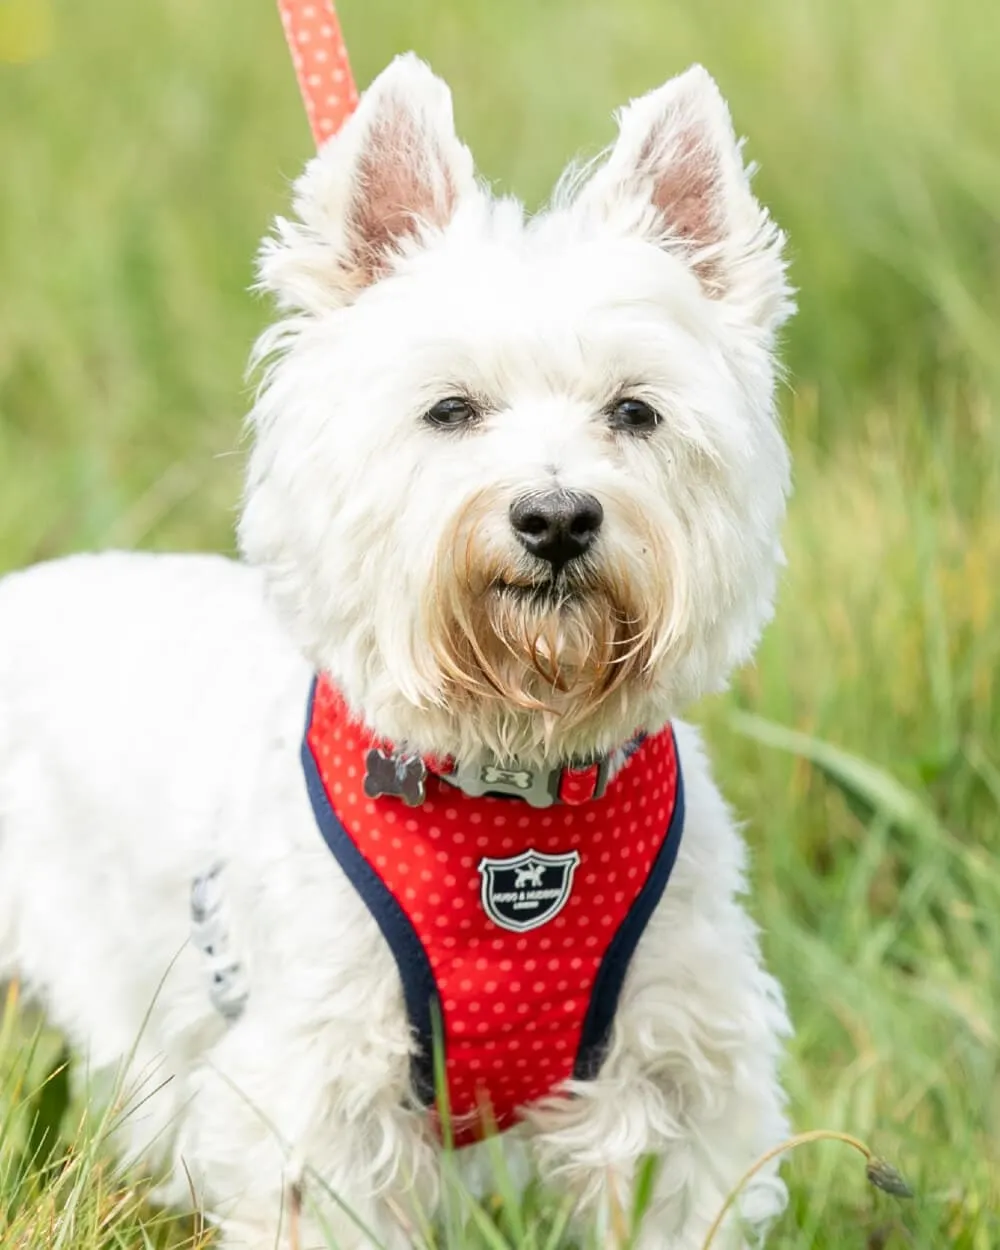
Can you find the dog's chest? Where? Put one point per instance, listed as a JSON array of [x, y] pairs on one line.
[[512, 927]]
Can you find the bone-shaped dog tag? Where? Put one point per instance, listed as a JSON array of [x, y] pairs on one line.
[[394, 776]]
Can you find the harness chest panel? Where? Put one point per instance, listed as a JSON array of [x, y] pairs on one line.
[[519, 922]]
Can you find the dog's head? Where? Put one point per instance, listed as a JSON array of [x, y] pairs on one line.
[[518, 483]]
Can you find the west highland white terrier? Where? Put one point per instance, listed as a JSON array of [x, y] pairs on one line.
[[412, 771]]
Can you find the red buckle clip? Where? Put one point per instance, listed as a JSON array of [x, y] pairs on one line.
[[581, 785]]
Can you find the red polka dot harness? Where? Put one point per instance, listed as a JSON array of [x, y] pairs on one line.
[[517, 922]]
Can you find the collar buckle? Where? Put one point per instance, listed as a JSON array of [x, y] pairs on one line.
[[574, 784], [582, 783]]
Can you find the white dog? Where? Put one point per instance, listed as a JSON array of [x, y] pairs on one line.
[[515, 496]]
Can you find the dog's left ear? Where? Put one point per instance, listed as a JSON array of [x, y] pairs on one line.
[[676, 176], [390, 179]]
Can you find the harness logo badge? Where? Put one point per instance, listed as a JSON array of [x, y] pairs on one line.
[[526, 890]]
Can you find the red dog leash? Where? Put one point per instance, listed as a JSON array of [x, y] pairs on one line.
[[319, 55]]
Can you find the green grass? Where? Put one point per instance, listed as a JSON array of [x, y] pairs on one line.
[[144, 148]]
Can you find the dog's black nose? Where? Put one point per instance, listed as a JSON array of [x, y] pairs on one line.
[[556, 526]]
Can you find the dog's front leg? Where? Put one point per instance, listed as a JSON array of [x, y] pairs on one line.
[[600, 1147], [293, 1144], [690, 1074]]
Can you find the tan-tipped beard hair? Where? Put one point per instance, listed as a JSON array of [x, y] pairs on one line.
[[570, 647]]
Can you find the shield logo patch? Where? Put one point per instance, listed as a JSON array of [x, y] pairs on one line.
[[526, 890]]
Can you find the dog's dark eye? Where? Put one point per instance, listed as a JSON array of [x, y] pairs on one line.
[[634, 416], [452, 413]]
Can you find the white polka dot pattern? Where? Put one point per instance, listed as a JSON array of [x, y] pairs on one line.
[[321, 65], [513, 1003]]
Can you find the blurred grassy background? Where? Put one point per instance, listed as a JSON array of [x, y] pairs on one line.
[[144, 149]]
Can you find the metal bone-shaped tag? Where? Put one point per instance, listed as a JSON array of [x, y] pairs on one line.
[[395, 776]]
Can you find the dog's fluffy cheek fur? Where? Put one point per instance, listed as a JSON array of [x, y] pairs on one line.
[[356, 533], [350, 496]]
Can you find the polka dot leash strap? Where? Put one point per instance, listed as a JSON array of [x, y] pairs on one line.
[[319, 55]]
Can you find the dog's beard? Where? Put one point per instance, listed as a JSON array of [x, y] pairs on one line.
[[566, 648]]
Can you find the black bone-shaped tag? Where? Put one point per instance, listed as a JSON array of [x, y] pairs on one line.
[[395, 777]]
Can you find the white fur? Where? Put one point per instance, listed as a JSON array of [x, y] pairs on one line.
[[151, 708]]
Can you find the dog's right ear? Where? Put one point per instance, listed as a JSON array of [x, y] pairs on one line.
[[387, 182]]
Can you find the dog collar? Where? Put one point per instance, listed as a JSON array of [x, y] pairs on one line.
[[392, 773], [570, 783]]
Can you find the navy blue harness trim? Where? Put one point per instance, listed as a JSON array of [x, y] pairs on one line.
[[611, 974], [420, 991], [419, 987]]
